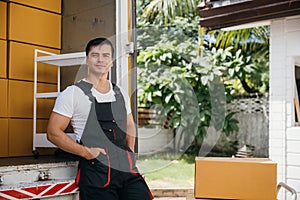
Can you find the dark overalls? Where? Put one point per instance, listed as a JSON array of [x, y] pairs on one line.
[[113, 176]]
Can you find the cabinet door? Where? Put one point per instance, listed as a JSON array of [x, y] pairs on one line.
[[21, 63], [2, 20], [52, 5], [45, 106], [3, 59], [20, 137], [34, 26], [4, 138], [20, 99], [3, 99]]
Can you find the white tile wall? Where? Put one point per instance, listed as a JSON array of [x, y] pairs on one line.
[[293, 159], [284, 141], [293, 133], [276, 106], [293, 172], [276, 134], [292, 24], [293, 43], [293, 146], [294, 183]]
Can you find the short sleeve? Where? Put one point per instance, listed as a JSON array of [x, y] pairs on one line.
[[64, 103]]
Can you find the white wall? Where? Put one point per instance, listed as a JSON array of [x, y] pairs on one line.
[[284, 143]]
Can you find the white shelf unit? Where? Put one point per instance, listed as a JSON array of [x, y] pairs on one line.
[[58, 60]]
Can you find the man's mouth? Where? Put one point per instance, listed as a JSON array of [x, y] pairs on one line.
[[100, 66]]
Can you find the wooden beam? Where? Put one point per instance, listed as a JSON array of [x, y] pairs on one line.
[[214, 11]]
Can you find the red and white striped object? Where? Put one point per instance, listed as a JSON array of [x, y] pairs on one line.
[[39, 191]]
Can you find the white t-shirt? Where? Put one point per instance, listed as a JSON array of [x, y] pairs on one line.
[[72, 103]]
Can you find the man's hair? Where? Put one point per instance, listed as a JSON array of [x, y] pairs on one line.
[[96, 42]]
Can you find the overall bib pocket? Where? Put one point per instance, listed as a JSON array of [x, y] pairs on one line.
[[95, 172]]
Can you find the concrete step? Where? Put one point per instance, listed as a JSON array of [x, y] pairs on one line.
[[171, 193]]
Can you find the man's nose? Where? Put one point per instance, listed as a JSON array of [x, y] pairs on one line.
[[100, 58]]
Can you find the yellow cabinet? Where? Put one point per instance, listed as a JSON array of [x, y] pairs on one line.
[[4, 137], [52, 5], [20, 99], [45, 106], [3, 99], [21, 63], [34, 26], [20, 137], [3, 59], [2, 20]]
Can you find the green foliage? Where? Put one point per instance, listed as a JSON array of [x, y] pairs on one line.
[[163, 12], [171, 75], [243, 72], [193, 90], [230, 124], [180, 29], [252, 44], [249, 39]]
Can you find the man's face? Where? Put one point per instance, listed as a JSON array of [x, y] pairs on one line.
[[99, 59]]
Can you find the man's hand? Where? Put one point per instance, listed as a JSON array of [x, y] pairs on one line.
[[92, 153]]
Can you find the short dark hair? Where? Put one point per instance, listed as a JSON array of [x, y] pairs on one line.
[[96, 42]]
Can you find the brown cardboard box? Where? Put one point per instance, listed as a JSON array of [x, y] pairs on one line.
[[2, 20], [41, 126], [53, 5], [20, 137], [235, 178], [34, 26], [21, 63], [3, 99], [20, 99], [3, 58], [45, 106], [4, 137]]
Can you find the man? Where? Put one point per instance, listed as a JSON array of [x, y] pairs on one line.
[[105, 131]]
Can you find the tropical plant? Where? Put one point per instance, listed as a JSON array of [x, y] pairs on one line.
[[245, 43], [164, 11], [249, 39], [238, 69], [171, 76]]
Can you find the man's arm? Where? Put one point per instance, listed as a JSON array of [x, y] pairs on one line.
[[55, 134], [131, 132]]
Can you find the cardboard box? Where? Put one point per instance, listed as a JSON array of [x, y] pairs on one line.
[[20, 137], [20, 99], [21, 63], [235, 178], [53, 5], [4, 137], [34, 26], [45, 106], [3, 20], [3, 58], [41, 125], [3, 99]]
